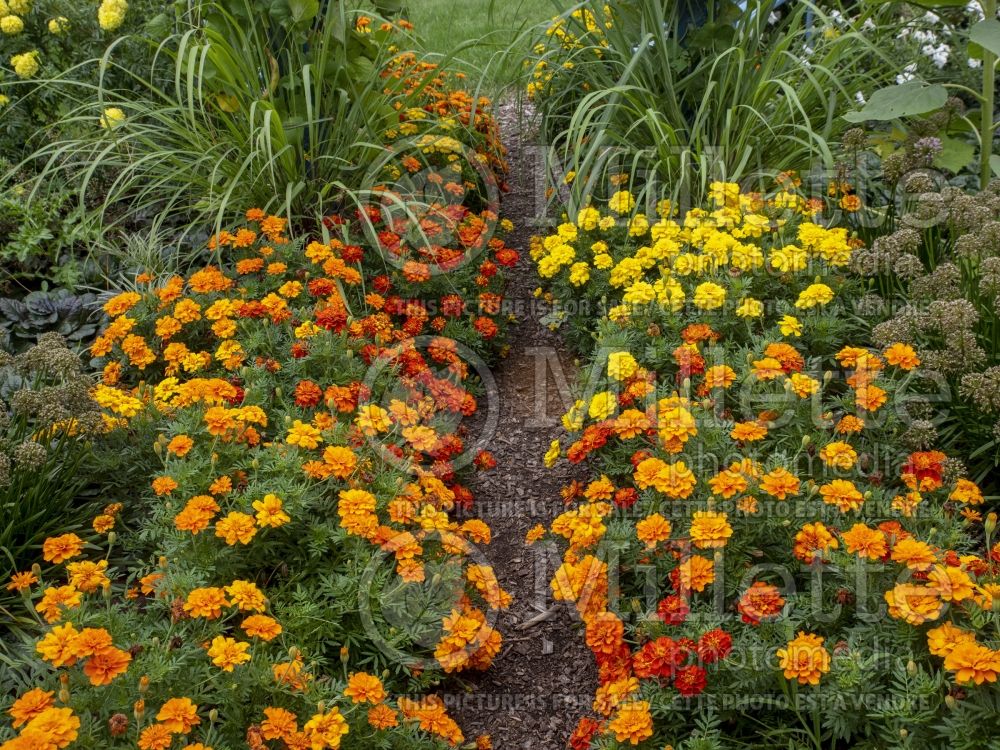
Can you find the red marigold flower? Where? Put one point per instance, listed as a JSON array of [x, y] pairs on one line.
[[486, 327], [321, 287], [626, 497], [507, 257], [690, 681], [307, 394], [585, 730], [485, 460], [673, 609], [661, 657], [714, 646]]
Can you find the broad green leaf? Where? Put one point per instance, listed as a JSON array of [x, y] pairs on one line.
[[995, 164], [955, 155], [987, 35], [303, 10], [903, 100]]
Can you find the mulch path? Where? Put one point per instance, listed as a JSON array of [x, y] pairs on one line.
[[543, 680]]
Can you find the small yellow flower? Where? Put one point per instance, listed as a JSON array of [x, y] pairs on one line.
[[552, 454], [112, 118], [58, 25]]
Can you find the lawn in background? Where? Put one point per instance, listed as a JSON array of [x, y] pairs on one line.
[[491, 26]]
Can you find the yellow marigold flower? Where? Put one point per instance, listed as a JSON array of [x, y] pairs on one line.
[[621, 202], [227, 653], [552, 454], [813, 295], [303, 435], [750, 308], [26, 64], [789, 325], [11, 25], [111, 14], [803, 386], [602, 405], [58, 25], [270, 512], [804, 659], [325, 729], [966, 492], [709, 296], [621, 365]]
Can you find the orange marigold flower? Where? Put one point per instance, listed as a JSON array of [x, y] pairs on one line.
[[279, 724], [902, 356], [914, 554], [56, 549], [382, 717], [206, 602], [156, 737], [710, 530], [236, 528], [261, 626], [52, 728], [652, 530], [813, 541], [164, 485], [747, 432], [865, 542], [760, 602], [106, 664], [364, 688], [30, 704], [780, 483], [973, 663], [632, 722], [804, 659], [22, 581], [179, 715]]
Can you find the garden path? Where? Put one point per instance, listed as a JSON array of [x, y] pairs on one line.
[[544, 678]]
